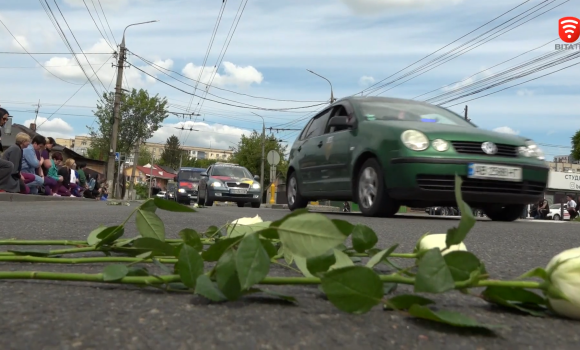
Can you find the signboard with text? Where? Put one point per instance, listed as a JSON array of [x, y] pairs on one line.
[[564, 181]]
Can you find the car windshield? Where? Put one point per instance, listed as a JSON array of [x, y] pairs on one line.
[[555, 206], [186, 175], [409, 111], [233, 172], [170, 186]]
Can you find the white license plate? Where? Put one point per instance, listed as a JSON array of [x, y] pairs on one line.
[[494, 172], [238, 191]]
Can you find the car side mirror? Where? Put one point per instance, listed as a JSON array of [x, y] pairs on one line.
[[340, 121], [203, 174], [256, 178]]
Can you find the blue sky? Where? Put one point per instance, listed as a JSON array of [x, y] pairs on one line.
[[273, 45]]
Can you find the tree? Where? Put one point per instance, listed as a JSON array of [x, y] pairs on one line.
[[249, 154], [141, 116], [171, 152], [198, 163], [576, 145], [144, 156]]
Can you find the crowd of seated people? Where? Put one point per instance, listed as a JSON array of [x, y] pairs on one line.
[[29, 167]]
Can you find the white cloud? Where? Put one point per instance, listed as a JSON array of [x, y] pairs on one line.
[[507, 130], [54, 127], [217, 136], [20, 42], [365, 81], [107, 4], [369, 7], [525, 92], [484, 74], [166, 64], [232, 75]]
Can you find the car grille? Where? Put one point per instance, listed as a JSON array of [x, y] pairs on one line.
[[470, 147], [447, 183], [192, 192], [241, 185]]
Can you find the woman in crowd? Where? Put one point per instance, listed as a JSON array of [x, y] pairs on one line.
[[14, 155], [65, 172], [52, 179], [7, 182]]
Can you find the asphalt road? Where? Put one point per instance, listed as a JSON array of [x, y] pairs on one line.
[[68, 315]]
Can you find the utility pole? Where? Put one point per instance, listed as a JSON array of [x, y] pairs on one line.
[[117, 109], [134, 167], [151, 177], [332, 99], [263, 156], [465, 113], [37, 110]]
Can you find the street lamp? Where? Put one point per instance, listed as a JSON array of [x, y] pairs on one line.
[[263, 156], [117, 108], [332, 99]]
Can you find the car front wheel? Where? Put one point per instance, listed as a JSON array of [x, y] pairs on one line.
[[505, 213], [556, 217], [295, 200], [371, 192]]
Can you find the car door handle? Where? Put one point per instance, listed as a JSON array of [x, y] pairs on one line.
[[299, 148], [320, 144]]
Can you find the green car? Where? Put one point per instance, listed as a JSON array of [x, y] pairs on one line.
[[382, 153]]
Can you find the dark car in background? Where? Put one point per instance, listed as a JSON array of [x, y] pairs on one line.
[[187, 182], [227, 182]]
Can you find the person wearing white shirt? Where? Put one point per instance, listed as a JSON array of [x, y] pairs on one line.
[[572, 207]]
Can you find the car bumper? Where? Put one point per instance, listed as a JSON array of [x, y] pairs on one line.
[[186, 196], [432, 181], [226, 196]]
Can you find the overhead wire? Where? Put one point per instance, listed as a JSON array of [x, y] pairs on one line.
[[107, 21], [107, 40]]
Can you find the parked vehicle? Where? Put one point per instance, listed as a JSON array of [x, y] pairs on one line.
[[160, 194], [227, 182], [171, 189], [556, 214], [187, 182], [382, 153]]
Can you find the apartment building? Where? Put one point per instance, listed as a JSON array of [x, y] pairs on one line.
[[565, 164], [81, 144]]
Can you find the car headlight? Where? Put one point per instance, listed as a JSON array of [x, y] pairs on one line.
[[256, 186], [440, 145], [216, 184], [181, 190], [531, 150], [415, 140]]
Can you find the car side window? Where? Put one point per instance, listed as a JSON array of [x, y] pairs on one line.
[[318, 124], [305, 130], [339, 111], [208, 171]]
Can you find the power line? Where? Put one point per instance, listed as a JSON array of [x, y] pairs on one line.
[[434, 52], [158, 67], [106, 20], [224, 103], [95, 22], [47, 53]]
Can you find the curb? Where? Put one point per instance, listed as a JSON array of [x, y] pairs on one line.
[[17, 197], [310, 207]]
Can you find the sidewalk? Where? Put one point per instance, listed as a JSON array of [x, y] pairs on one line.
[[16, 197]]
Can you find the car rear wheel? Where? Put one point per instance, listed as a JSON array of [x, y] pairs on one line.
[[200, 198], [295, 200], [371, 192], [510, 212]]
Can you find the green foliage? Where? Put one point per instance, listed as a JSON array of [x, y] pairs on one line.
[[197, 163], [248, 153], [576, 145], [172, 153], [144, 156], [141, 116]]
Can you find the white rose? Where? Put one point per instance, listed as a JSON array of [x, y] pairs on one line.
[[437, 241], [564, 274], [247, 221], [195, 205]]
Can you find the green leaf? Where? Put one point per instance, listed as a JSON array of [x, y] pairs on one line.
[[342, 260], [363, 238], [191, 238], [353, 289], [295, 213], [206, 288], [388, 288], [321, 263], [115, 272], [537, 272], [236, 230], [269, 247], [288, 256], [461, 264], [344, 227], [227, 276], [156, 246], [516, 298], [125, 242], [150, 225], [92, 238], [31, 252], [285, 297], [457, 234], [309, 235], [110, 235], [433, 275], [448, 317], [148, 205], [212, 231], [215, 251], [138, 271], [252, 261], [355, 259], [269, 233], [380, 256], [302, 266], [162, 266], [173, 206], [405, 301], [189, 265]]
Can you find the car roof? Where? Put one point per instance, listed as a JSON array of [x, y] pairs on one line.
[[380, 99], [192, 169]]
